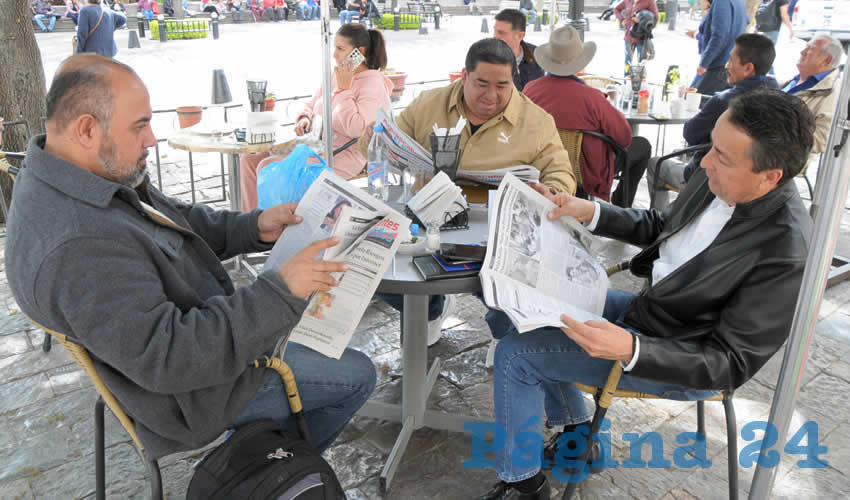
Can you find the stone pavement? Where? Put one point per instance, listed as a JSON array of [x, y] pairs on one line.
[[46, 402]]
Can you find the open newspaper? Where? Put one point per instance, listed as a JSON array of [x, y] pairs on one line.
[[536, 269], [369, 236], [403, 151]]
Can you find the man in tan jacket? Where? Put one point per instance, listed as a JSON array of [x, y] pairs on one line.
[[817, 84], [504, 128]]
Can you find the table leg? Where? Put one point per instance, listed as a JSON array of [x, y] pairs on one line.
[[414, 358], [416, 386], [235, 194]]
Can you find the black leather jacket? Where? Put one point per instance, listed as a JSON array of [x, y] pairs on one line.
[[716, 320], [528, 69]]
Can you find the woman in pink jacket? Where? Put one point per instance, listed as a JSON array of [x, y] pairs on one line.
[[358, 92]]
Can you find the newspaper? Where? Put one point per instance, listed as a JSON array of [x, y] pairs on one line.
[[526, 173], [536, 269], [439, 201], [320, 207], [368, 243], [403, 151]]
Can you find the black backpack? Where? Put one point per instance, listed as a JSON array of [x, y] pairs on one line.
[[767, 16], [260, 461]]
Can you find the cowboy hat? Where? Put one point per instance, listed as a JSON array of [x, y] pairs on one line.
[[565, 54]]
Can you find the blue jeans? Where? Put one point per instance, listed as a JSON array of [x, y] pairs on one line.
[[530, 11], [308, 12], [331, 390], [534, 372], [630, 49], [774, 36], [346, 16], [39, 20]]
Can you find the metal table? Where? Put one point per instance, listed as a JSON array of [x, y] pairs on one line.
[[192, 141], [637, 119], [416, 384]]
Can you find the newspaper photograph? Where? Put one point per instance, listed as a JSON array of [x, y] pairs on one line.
[[320, 207], [368, 243], [536, 269]]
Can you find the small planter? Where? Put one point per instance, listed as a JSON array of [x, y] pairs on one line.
[[455, 75], [189, 115], [398, 78], [270, 102]]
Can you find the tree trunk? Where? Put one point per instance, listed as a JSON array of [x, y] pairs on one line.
[[22, 89]]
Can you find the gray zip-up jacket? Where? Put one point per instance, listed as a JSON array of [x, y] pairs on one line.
[[169, 334]]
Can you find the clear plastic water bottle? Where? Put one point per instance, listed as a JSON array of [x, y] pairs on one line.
[[376, 169]]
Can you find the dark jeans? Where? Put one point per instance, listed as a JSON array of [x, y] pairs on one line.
[[713, 81], [435, 303], [636, 161]]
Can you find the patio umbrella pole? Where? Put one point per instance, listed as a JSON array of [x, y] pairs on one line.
[[830, 193], [327, 95]]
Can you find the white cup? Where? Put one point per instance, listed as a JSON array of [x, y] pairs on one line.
[[677, 107], [692, 101]]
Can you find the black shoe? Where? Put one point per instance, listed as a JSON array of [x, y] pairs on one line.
[[552, 446], [506, 491]]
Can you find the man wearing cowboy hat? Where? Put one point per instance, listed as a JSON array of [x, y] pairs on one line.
[[577, 106]]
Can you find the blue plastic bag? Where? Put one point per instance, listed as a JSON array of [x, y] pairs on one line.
[[287, 180]]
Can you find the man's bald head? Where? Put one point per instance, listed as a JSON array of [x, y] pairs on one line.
[[83, 84]]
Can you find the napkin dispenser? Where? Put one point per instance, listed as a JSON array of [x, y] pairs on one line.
[[260, 127]]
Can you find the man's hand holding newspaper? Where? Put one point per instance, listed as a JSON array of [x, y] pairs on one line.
[[368, 233]]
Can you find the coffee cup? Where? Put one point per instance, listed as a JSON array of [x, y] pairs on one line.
[[692, 101]]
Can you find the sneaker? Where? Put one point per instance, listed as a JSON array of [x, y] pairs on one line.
[[506, 491], [435, 327]]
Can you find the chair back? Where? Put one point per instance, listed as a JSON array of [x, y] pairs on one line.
[[81, 356], [571, 139], [598, 82]]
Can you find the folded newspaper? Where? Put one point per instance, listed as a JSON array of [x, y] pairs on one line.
[[535, 268], [439, 201], [369, 231], [526, 173], [403, 151]]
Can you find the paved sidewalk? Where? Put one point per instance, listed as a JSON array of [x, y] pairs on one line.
[[46, 402]]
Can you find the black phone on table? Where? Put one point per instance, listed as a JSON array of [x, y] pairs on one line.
[[462, 253]]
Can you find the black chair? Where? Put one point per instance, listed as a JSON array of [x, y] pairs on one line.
[[621, 171], [658, 185]]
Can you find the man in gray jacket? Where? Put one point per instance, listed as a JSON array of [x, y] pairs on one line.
[[97, 253]]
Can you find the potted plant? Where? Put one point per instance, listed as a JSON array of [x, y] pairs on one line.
[[398, 78], [270, 101]]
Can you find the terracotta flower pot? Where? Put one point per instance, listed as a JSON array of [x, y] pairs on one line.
[[455, 75], [398, 78], [270, 104], [189, 115]]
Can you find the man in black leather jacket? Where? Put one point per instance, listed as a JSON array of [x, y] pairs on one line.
[[724, 264], [509, 27]]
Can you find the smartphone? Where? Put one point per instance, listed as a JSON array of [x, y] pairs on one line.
[[354, 59], [463, 253]]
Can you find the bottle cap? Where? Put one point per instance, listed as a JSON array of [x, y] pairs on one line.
[[414, 229], [378, 128], [644, 93]]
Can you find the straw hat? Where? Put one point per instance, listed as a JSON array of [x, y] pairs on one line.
[[565, 54]]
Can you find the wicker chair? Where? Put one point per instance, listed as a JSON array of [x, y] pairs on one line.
[[603, 396], [81, 356], [598, 82]]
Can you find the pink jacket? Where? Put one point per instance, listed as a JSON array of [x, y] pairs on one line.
[[353, 110]]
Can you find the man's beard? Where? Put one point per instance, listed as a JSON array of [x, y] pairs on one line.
[[130, 176]]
